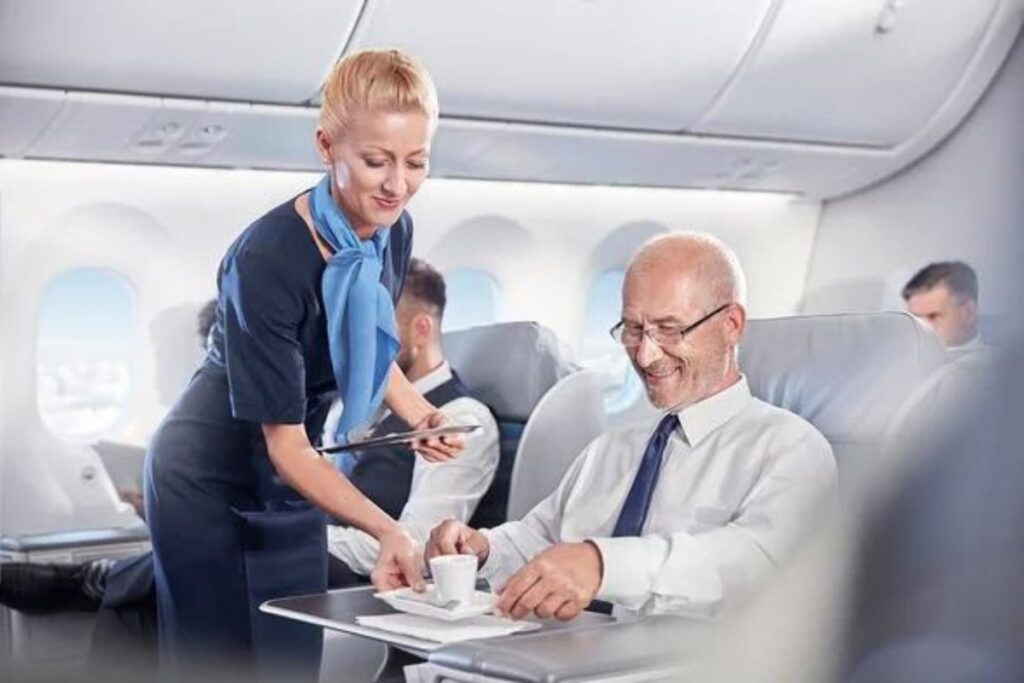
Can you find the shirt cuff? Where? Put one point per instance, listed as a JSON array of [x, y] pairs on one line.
[[625, 567], [495, 569]]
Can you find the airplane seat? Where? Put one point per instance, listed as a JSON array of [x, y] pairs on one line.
[[997, 330], [846, 374], [568, 417], [963, 381], [509, 367]]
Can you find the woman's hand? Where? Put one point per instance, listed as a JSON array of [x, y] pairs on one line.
[[409, 404], [400, 563], [438, 448]]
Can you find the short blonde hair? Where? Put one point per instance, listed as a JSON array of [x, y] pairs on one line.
[[376, 80]]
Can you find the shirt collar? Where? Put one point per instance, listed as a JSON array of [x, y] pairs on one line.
[[975, 343], [433, 379], [704, 417]]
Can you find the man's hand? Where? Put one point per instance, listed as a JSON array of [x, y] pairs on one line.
[[398, 564], [452, 537], [559, 582]]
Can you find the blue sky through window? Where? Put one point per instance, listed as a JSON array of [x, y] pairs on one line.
[[87, 333]]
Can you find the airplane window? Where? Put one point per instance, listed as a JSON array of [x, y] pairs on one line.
[[86, 336], [474, 298], [599, 351]]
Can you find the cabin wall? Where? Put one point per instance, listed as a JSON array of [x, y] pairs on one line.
[[963, 201], [164, 230]]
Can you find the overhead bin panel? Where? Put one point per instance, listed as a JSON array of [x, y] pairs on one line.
[[24, 115], [648, 64], [151, 130], [257, 50], [858, 73], [531, 153], [92, 126], [250, 136]]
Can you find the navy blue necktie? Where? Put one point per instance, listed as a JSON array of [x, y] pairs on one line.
[[638, 502]]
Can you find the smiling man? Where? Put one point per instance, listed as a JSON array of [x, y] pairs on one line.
[[685, 514]]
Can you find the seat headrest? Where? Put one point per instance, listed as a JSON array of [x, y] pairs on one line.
[[508, 366], [846, 374]]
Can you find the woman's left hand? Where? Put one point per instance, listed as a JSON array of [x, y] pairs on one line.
[[399, 563], [438, 448]]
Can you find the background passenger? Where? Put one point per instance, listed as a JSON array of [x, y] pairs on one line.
[[683, 515], [945, 296]]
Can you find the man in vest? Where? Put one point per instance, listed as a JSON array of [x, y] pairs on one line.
[[418, 493]]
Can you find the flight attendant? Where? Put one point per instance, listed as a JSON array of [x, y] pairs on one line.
[[235, 492]]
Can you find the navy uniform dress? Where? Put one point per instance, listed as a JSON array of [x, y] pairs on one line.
[[227, 534]]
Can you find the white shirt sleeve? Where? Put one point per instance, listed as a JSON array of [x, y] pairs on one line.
[[439, 491], [702, 571], [515, 543]]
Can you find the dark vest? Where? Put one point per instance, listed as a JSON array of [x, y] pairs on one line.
[[385, 475]]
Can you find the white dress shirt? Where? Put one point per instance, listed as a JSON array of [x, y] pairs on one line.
[[738, 482], [439, 490], [974, 345]]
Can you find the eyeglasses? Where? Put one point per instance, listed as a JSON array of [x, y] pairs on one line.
[[631, 334]]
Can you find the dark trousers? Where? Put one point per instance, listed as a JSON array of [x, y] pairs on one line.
[[125, 637]]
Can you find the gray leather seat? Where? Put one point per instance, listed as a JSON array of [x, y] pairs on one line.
[[566, 419], [846, 374], [511, 367]]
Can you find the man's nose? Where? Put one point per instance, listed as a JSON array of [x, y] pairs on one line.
[[648, 351]]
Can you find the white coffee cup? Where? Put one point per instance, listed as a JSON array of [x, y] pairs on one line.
[[454, 577]]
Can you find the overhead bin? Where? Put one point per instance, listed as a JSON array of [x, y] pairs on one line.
[[253, 51], [851, 73], [645, 65], [812, 97]]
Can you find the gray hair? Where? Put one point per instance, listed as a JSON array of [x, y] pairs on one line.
[[716, 263]]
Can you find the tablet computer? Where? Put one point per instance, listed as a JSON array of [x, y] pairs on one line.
[[399, 438], [123, 463]]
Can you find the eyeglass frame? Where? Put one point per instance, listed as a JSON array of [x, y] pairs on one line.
[[646, 330]]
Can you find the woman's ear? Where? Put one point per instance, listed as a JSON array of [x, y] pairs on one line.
[[323, 147]]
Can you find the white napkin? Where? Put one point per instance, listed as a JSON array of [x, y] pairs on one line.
[[425, 628]]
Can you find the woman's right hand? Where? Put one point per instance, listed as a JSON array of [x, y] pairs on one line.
[[399, 564], [437, 449]]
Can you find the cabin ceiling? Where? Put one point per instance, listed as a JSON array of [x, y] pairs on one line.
[[814, 97]]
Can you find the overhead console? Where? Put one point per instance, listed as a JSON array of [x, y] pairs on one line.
[[814, 97]]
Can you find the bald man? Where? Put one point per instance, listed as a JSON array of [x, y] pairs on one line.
[[687, 513]]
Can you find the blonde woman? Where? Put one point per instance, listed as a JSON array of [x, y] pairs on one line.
[[235, 492]]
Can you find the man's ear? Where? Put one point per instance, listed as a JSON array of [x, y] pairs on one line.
[[423, 325], [971, 311], [736, 322], [969, 314]]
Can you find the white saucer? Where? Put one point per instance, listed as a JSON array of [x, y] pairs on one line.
[[426, 604]]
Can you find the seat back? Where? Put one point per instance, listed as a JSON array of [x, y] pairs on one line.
[[567, 418], [845, 374], [509, 367]]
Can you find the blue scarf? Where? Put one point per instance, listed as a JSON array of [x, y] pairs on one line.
[[360, 313]]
